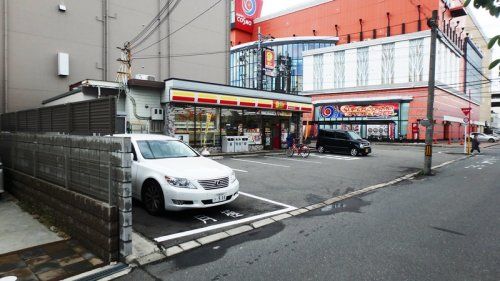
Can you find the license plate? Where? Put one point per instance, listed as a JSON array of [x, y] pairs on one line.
[[367, 149], [219, 198]]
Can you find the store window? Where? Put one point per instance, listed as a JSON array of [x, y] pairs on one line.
[[184, 123], [231, 122], [252, 126], [207, 127]]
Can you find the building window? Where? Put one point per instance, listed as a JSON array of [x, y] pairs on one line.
[[362, 60], [416, 60], [318, 72], [207, 127], [339, 69], [388, 63], [184, 123], [231, 122]]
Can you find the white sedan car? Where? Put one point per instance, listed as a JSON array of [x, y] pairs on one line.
[[167, 174], [485, 137]]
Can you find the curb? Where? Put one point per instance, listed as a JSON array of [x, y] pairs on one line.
[[177, 249]]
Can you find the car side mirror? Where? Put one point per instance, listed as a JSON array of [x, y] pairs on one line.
[[133, 156]]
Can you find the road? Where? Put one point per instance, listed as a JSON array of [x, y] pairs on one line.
[[444, 227]]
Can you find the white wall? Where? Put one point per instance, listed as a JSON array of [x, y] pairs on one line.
[[447, 63]]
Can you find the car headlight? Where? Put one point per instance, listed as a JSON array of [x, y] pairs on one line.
[[232, 177], [179, 182], [361, 145]]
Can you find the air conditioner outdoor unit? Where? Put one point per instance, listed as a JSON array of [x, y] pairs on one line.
[[145, 77]]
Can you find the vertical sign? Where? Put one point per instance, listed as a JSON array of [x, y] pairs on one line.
[[269, 62]]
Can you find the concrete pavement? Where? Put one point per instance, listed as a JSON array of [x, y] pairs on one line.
[[434, 228]]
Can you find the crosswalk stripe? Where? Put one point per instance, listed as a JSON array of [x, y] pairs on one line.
[[335, 157]]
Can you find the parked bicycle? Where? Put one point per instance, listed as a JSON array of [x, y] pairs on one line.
[[301, 149]]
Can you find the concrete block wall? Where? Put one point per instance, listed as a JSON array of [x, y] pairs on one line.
[[83, 182]]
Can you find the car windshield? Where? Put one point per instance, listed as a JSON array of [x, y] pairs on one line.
[[354, 136], [159, 149]]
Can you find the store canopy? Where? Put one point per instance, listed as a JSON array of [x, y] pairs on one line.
[[195, 92]]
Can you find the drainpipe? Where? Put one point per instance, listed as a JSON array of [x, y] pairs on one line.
[[5, 62], [105, 8]]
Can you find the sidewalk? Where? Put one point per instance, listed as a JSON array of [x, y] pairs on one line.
[[29, 250]]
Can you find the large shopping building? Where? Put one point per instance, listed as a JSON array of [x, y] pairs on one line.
[[372, 76]]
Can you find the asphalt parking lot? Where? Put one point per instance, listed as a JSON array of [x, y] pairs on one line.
[[273, 184]]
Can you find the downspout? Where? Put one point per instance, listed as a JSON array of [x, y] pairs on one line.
[[160, 51], [5, 79], [105, 8]]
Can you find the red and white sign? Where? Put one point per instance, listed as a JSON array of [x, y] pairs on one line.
[[376, 110], [245, 12], [269, 62], [466, 110]]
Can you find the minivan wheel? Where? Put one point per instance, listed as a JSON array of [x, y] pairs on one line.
[[153, 199], [321, 149], [354, 152]]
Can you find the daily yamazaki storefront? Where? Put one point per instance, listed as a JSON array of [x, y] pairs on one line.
[[203, 114]]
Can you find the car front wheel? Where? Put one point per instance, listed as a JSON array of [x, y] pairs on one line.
[[153, 199], [491, 140], [354, 152]]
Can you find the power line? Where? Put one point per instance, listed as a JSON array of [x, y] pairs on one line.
[[160, 22], [151, 23], [180, 28]]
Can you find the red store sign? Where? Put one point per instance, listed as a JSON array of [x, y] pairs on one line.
[[245, 13]]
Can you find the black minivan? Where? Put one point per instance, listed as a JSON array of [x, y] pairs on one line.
[[342, 141]]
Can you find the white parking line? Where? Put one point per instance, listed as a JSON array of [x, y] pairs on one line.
[[237, 170], [266, 200], [262, 163], [288, 208], [222, 225], [296, 160], [335, 157]]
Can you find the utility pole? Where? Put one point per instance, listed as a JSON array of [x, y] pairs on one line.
[[429, 132], [260, 39]]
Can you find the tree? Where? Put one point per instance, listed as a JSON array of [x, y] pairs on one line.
[[493, 6]]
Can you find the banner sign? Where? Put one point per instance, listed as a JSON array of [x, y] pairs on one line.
[[245, 12], [373, 110], [269, 62]]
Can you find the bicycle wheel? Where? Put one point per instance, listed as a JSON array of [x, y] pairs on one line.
[[305, 151], [290, 151]]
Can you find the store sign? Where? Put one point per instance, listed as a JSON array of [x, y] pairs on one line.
[[182, 96], [373, 110], [279, 104], [269, 62], [245, 13]]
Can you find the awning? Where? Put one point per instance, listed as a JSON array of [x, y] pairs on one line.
[[195, 97]]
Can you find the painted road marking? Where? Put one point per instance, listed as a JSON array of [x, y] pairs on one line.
[[348, 158], [287, 208], [297, 160], [262, 163], [266, 200], [237, 170]]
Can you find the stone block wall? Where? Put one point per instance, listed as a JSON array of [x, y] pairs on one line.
[[83, 183]]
